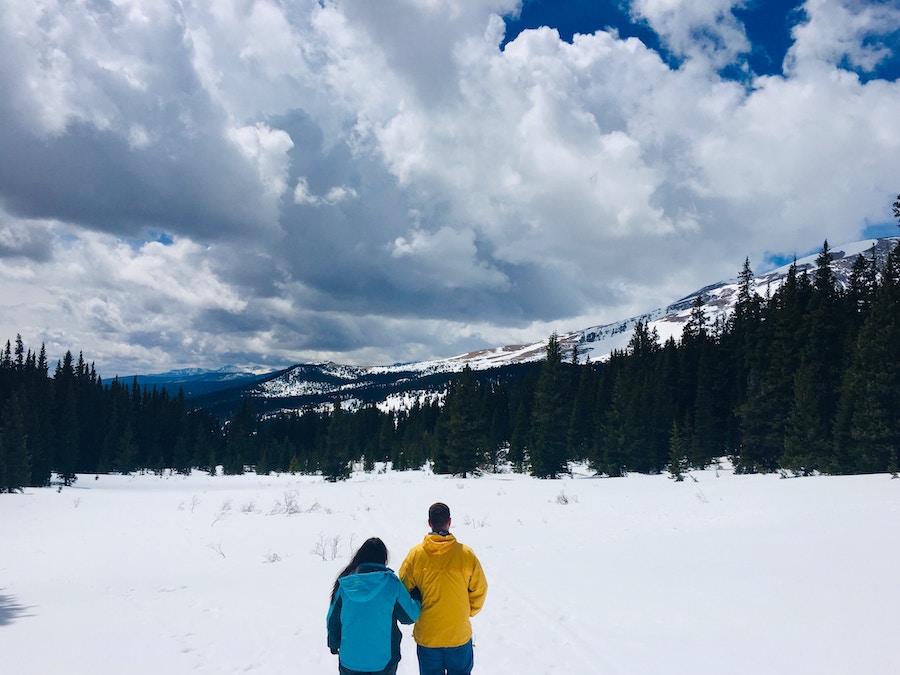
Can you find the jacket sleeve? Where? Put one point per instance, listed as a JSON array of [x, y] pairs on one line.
[[406, 571], [334, 622], [477, 588], [406, 610]]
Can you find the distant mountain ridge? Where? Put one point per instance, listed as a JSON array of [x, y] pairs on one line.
[[396, 386], [198, 381]]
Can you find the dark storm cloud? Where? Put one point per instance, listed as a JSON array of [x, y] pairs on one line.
[[126, 156], [95, 179]]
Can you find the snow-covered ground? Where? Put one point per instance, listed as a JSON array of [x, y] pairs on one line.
[[725, 574]]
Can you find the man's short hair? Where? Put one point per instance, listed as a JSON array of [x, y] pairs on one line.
[[439, 516]]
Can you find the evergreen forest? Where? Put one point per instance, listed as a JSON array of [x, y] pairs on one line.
[[805, 380]]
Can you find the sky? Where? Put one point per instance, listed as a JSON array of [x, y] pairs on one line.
[[259, 183]]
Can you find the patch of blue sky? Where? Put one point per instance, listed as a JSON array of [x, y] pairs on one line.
[[772, 261], [585, 17], [877, 230], [768, 24], [887, 67], [160, 237]]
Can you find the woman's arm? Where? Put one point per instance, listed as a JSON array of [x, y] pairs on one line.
[[406, 609], [333, 622]]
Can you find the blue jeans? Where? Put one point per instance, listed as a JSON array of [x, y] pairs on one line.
[[446, 660]]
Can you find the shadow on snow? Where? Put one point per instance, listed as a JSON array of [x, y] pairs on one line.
[[10, 609]]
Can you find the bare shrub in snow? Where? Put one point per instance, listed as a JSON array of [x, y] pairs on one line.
[[292, 505], [327, 548], [563, 498], [224, 512], [475, 523], [216, 547]]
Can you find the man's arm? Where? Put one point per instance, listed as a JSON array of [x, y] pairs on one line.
[[478, 587], [406, 571]]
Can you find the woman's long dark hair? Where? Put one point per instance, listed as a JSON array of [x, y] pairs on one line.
[[372, 551]]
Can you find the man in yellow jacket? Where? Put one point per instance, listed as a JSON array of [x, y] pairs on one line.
[[453, 587]]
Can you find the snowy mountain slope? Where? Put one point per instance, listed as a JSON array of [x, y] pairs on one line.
[[719, 300], [595, 343], [316, 386]]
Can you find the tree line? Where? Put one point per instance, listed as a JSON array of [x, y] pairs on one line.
[[803, 380], [72, 422]]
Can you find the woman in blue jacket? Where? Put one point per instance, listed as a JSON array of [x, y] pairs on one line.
[[366, 602]]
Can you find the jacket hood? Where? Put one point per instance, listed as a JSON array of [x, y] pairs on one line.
[[366, 582], [438, 544]]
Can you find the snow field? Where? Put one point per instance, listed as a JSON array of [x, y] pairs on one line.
[[231, 574]]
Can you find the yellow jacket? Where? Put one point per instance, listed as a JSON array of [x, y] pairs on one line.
[[453, 589]]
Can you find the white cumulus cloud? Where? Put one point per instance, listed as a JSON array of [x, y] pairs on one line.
[[215, 181]]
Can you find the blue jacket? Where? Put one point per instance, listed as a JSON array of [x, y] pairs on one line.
[[362, 618]]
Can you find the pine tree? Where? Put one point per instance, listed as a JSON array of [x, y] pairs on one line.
[[336, 463], [710, 412], [869, 412], [745, 319], [868, 418], [613, 450], [125, 451], [39, 414], [15, 462], [581, 419], [463, 428], [678, 461], [768, 395], [807, 433], [861, 287], [67, 437], [824, 280], [521, 404], [696, 326], [548, 455], [498, 436], [20, 354], [386, 435], [238, 439], [643, 342], [648, 417], [746, 291], [762, 418], [42, 361]]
